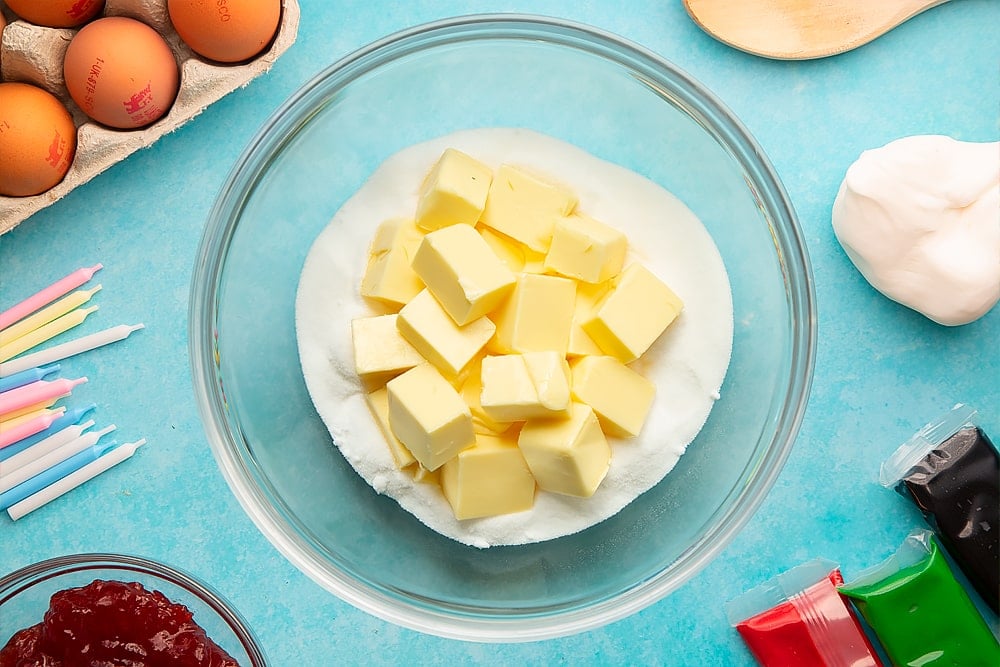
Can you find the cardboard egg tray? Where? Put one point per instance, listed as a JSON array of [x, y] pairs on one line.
[[34, 54]]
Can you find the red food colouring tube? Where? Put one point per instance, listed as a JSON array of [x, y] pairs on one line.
[[799, 619]]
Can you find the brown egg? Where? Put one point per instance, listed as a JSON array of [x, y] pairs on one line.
[[228, 31], [56, 13], [121, 72], [37, 140]]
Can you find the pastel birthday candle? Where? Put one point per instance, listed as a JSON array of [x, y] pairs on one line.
[[53, 474], [9, 436], [35, 410], [47, 314], [51, 459], [27, 377], [23, 416], [36, 393], [74, 479], [68, 349], [68, 418], [43, 447], [47, 295], [43, 333]]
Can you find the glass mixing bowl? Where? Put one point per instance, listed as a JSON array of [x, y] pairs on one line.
[[25, 594], [605, 95]]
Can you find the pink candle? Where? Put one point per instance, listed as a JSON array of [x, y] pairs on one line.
[[8, 436], [47, 295], [35, 393]]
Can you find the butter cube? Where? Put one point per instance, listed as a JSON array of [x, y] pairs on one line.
[[488, 479], [462, 272], [537, 316], [633, 315], [450, 347], [454, 192], [378, 403], [428, 416], [388, 276], [580, 344], [620, 397], [525, 207], [534, 262], [380, 352], [509, 251], [471, 391], [588, 295], [424, 476], [568, 456], [585, 249], [518, 387]]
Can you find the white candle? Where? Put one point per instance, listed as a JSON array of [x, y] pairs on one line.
[[74, 479], [73, 347]]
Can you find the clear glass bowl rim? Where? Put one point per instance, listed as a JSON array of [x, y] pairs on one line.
[[711, 114], [19, 580]]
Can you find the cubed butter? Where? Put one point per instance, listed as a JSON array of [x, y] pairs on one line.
[[569, 456], [620, 397], [389, 277], [454, 192], [488, 479], [516, 387], [580, 343], [537, 316], [428, 416], [534, 262], [422, 475], [380, 352], [471, 391], [586, 249], [378, 403], [509, 251], [633, 315], [525, 207], [462, 272], [450, 347], [588, 295]]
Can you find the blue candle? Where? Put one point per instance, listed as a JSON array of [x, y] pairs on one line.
[[27, 377], [53, 474]]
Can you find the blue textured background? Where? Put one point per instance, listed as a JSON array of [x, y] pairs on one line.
[[881, 372]]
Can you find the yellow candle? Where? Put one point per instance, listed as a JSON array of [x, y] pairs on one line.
[[8, 424], [46, 315], [45, 332], [14, 414]]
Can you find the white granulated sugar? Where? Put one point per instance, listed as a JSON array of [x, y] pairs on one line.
[[687, 364]]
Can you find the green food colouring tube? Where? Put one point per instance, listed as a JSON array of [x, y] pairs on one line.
[[921, 614]]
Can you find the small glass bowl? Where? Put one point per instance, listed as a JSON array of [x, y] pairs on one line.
[[25, 594], [619, 102]]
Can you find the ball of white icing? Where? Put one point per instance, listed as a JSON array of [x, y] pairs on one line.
[[920, 219]]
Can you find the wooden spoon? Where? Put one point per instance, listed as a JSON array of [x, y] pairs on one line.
[[801, 29]]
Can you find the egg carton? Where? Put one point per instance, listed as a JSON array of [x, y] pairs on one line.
[[34, 54]]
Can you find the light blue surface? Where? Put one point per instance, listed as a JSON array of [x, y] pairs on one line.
[[882, 370]]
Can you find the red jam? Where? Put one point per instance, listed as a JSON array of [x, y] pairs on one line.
[[114, 624]]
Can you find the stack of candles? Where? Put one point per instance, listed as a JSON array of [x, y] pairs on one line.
[[45, 450], [34, 321]]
